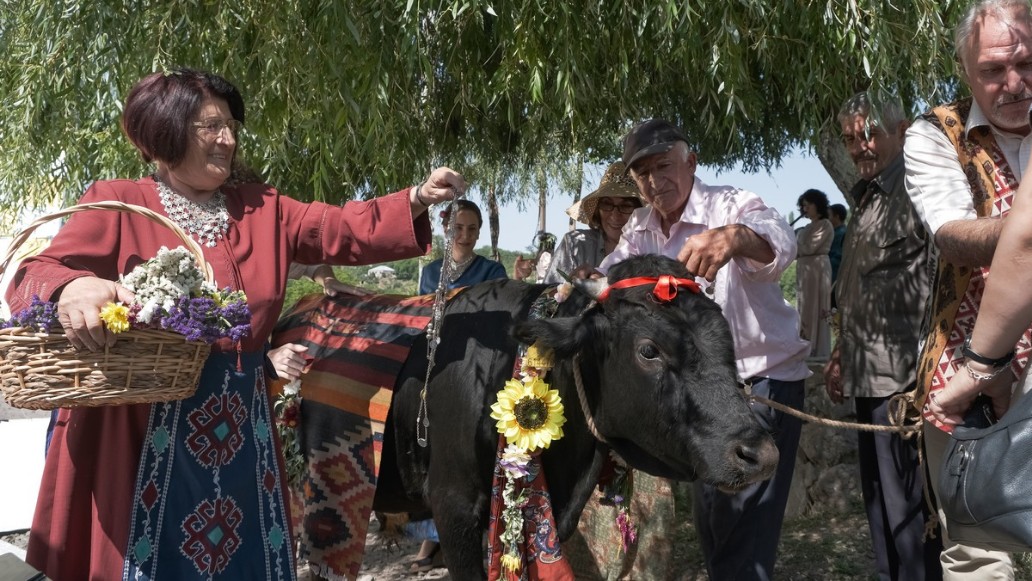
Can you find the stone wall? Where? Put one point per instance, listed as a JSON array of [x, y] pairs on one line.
[[827, 477]]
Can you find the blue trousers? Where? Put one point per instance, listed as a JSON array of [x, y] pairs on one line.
[[891, 480], [739, 533]]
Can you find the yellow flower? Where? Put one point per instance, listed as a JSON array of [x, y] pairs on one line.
[[510, 562], [115, 317], [529, 414]]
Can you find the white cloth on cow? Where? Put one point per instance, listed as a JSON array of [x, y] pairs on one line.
[[764, 325]]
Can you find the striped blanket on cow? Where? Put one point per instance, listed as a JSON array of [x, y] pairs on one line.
[[359, 345]]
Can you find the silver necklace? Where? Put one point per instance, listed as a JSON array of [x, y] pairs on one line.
[[206, 221], [458, 268]]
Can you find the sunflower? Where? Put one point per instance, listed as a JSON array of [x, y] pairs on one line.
[[115, 317], [529, 414]]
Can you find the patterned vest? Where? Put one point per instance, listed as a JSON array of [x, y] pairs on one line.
[[957, 290]]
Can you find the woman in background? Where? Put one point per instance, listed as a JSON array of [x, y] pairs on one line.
[[605, 211], [467, 267], [813, 273]]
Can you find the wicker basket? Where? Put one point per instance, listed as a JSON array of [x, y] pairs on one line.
[[43, 371]]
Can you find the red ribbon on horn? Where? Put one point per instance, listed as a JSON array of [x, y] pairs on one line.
[[664, 291]]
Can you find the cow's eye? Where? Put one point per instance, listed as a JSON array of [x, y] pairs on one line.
[[648, 351]]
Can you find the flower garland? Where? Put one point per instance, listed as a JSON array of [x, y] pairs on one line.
[[170, 293], [530, 416], [617, 493], [288, 422]]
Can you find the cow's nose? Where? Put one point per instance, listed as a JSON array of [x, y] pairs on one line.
[[758, 459]]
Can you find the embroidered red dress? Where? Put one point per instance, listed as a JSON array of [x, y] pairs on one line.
[[191, 489]]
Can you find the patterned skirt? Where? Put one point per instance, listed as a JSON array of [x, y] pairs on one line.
[[202, 496], [209, 492]]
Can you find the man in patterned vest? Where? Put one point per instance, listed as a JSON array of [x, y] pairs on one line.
[[963, 164]]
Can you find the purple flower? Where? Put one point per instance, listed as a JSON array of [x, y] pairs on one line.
[[40, 315], [628, 532], [204, 319]]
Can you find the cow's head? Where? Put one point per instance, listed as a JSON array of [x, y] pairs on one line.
[[659, 378]]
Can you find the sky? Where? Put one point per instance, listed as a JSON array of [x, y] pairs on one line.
[[780, 190]]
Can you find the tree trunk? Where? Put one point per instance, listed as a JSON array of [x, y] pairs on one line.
[[571, 224], [542, 204], [836, 161], [492, 219]]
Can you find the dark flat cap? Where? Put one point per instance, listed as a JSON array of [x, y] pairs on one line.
[[649, 138]]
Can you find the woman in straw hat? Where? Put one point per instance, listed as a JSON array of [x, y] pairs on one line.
[[630, 500], [605, 210]]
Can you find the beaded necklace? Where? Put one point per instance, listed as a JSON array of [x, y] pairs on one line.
[[458, 268], [206, 221]]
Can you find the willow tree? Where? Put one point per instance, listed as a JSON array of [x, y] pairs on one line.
[[353, 98]]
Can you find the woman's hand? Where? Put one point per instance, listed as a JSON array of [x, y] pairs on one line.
[[289, 360], [522, 268], [949, 404], [324, 277], [444, 184], [332, 287], [78, 311]]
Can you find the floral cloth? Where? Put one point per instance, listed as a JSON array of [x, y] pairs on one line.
[[594, 550], [542, 554]]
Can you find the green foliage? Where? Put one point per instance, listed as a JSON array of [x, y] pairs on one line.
[[788, 283], [354, 99]]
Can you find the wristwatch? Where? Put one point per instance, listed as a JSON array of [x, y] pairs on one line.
[[995, 363]]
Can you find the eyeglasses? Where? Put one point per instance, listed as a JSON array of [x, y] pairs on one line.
[[626, 209], [213, 127]]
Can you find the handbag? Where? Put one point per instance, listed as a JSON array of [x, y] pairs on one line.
[[985, 482]]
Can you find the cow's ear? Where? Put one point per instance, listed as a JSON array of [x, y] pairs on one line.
[[565, 336]]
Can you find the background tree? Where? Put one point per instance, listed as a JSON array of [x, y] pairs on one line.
[[356, 98]]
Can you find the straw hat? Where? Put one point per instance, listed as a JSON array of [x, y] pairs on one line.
[[615, 184]]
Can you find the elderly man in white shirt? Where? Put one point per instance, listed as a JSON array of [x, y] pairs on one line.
[[740, 247]]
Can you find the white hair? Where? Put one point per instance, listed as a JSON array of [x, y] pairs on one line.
[[998, 9]]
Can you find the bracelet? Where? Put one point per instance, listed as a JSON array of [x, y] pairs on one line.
[[998, 362], [419, 195], [979, 376]]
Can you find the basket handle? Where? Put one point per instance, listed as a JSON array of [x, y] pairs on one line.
[[113, 206]]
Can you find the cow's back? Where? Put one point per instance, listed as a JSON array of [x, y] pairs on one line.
[[473, 360]]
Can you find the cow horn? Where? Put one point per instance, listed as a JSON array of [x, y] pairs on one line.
[[593, 287]]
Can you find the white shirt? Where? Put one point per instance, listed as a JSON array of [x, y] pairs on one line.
[[935, 179], [764, 326]]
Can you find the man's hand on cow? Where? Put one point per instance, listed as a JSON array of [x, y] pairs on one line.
[[705, 253], [833, 378]]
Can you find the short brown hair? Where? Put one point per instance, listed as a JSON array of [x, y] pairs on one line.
[[160, 107]]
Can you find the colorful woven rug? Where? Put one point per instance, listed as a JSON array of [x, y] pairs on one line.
[[359, 345]]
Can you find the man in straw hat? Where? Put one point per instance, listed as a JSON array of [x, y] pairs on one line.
[[605, 211], [730, 238]]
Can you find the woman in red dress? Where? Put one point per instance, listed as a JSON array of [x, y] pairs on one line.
[[194, 488]]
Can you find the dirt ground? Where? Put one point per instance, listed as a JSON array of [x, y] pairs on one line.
[[816, 548], [812, 549]]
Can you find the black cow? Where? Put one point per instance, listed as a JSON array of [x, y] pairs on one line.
[[661, 387]]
